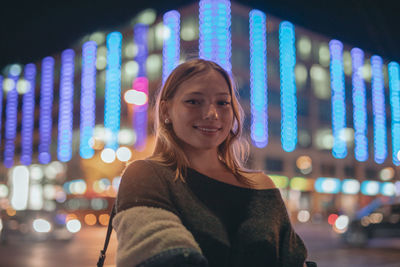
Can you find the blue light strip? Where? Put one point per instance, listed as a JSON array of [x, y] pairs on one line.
[[359, 106], [28, 116], [140, 39], [88, 98], [394, 86], [64, 150], [141, 84], [258, 78], [287, 57], [378, 107], [46, 108], [113, 88], [11, 124], [215, 35], [171, 46], [338, 98], [1, 105]]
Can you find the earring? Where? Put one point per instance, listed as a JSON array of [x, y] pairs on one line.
[[166, 121]]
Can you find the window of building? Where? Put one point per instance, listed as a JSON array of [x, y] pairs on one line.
[[328, 169], [320, 81], [190, 28], [324, 111], [240, 58], [274, 127], [371, 173], [301, 75], [304, 47], [323, 139], [349, 172], [240, 26], [304, 138], [274, 164], [274, 98], [302, 105]]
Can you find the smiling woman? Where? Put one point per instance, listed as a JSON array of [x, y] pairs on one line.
[[193, 203]]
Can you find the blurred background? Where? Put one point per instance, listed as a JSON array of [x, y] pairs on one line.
[[319, 83]]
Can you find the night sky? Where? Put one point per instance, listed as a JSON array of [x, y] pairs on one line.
[[31, 30]]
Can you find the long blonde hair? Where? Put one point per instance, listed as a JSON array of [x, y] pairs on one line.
[[232, 152]]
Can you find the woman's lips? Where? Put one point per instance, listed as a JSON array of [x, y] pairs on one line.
[[207, 129]]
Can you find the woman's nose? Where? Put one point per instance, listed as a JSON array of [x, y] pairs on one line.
[[211, 113]]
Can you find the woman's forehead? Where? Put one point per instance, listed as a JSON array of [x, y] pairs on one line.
[[204, 83]]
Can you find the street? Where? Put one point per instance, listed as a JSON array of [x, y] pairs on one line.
[[323, 245]]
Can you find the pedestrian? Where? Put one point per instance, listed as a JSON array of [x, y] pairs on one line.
[[193, 203]]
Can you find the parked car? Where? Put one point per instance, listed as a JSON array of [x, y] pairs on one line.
[[377, 221], [35, 225]]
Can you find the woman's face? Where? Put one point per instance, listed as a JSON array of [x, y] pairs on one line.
[[201, 112]]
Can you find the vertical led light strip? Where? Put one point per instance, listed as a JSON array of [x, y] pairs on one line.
[[46, 107], [112, 110], [338, 99], [28, 115], [141, 84], [11, 123], [88, 98], [215, 35], [394, 86], [287, 58], [359, 106], [171, 45], [378, 107], [1, 106], [258, 78], [65, 116]]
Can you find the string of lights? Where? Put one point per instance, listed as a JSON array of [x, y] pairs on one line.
[[46, 107], [10, 132], [215, 34], [171, 42], [112, 110], [338, 99], [379, 111], [88, 98], [28, 115], [394, 87], [65, 119], [359, 106], [141, 84], [258, 79], [287, 60]]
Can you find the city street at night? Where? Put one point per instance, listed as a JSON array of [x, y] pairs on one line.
[[225, 119], [323, 245]]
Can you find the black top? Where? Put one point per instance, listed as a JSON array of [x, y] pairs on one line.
[[234, 226]]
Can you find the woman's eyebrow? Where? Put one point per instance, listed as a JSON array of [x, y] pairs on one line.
[[200, 93]]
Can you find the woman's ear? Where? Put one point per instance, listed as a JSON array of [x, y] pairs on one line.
[[164, 110]]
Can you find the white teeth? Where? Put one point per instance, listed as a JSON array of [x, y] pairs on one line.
[[207, 130]]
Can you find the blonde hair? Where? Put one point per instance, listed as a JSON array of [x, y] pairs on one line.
[[233, 151]]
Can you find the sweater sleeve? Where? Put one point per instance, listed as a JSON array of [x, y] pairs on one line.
[[149, 230], [141, 186]]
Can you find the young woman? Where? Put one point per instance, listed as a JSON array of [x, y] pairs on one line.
[[193, 203]]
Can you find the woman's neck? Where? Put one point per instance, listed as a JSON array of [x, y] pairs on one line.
[[205, 161]]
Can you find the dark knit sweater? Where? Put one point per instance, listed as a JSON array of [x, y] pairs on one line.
[[234, 226]]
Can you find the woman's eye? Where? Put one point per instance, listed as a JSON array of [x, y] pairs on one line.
[[192, 101], [224, 103]]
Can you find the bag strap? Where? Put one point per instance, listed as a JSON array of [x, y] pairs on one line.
[[102, 256]]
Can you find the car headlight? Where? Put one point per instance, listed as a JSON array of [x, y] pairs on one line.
[[41, 225]]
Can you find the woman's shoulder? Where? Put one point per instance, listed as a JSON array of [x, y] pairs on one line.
[[259, 179], [142, 184], [143, 166]]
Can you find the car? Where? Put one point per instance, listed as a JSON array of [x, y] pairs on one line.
[[378, 220], [34, 225]]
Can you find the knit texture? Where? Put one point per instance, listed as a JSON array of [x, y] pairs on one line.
[[233, 226]]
